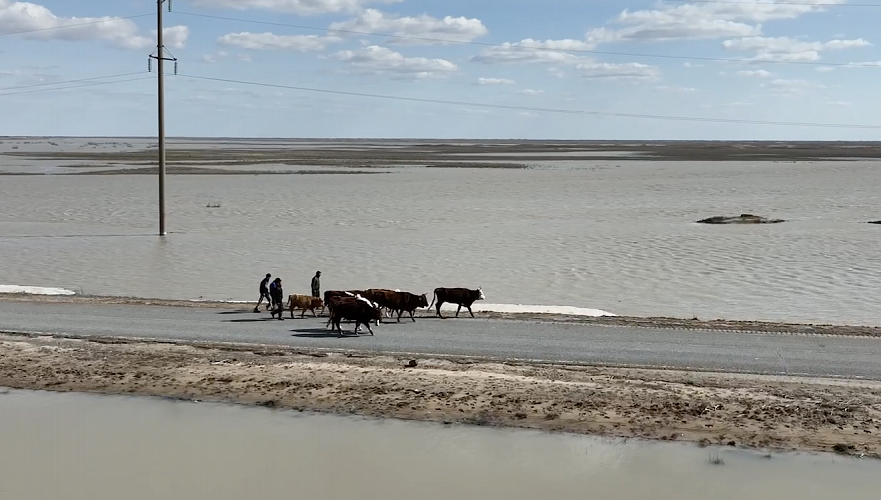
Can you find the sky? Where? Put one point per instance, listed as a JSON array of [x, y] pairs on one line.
[[491, 69]]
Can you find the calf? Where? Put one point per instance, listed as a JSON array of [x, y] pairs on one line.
[[460, 296], [305, 302], [359, 310]]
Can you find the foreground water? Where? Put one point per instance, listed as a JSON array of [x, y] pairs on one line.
[[78, 446], [617, 236]]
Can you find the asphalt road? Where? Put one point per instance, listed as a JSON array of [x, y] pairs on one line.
[[554, 342]]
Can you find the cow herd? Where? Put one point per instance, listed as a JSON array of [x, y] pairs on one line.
[[366, 306]]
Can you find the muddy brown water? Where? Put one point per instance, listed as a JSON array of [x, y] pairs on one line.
[[80, 446]]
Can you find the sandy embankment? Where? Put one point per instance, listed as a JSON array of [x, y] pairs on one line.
[[735, 410]]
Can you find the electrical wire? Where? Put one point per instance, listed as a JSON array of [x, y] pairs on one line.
[[76, 86], [88, 23], [61, 82], [537, 109]]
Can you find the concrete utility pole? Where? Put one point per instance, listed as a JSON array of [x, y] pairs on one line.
[[160, 56]]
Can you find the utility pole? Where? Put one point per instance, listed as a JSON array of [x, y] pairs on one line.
[[160, 56]]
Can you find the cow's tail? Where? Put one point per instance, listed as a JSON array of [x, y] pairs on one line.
[[433, 297], [290, 300]]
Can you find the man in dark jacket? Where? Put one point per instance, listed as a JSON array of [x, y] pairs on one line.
[[264, 292], [316, 284], [277, 295]]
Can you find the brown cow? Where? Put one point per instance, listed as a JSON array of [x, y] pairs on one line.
[[381, 296], [460, 296], [305, 302], [358, 310], [397, 301]]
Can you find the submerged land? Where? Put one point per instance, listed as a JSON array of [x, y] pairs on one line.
[[198, 156], [753, 411]]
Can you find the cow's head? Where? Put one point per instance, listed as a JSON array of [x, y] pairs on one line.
[[376, 315], [480, 295], [422, 301]]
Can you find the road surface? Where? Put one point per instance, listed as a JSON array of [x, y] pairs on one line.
[[850, 357]]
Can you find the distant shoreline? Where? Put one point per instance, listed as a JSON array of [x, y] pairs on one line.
[[733, 326]]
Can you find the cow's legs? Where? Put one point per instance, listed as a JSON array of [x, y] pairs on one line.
[[400, 313], [367, 324], [469, 311], [411, 316], [458, 309], [439, 315]]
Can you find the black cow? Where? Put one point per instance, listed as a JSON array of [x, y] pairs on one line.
[[357, 310], [460, 296], [334, 301]]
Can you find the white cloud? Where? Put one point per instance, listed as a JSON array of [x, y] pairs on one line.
[[790, 88], [702, 21], [667, 88], [29, 75], [533, 51], [300, 7], [530, 92], [757, 73], [865, 64], [455, 29], [841, 104], [374, 60], [267, 41], [611, 71], [789, 49], [495, 81], [26, 16]]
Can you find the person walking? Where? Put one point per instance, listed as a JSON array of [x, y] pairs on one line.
[[277, 294], [264, 292], [316, 284]]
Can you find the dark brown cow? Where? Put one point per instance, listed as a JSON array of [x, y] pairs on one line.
[[357, 310], [396, 301], [460, 296], [340, 293]]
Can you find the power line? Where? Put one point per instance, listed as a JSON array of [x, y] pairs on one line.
[[803, 4], [70, 81], [88, 23], [75, 86], [511, 46], [539, 109]]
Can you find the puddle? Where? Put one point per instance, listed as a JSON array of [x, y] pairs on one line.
[[79, 446]]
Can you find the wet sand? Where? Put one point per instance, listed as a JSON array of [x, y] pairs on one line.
[[187, 155], [764, 412]]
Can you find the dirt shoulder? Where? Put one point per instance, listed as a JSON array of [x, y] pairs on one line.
[[622, 321], [774, 413]]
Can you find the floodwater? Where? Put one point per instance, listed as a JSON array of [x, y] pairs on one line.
[[618, 236], [77, 446]]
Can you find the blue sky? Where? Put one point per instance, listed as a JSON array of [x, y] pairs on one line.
[[836, 81]]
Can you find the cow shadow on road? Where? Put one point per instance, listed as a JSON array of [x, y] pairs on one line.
[[322, 333], [250, 320]]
